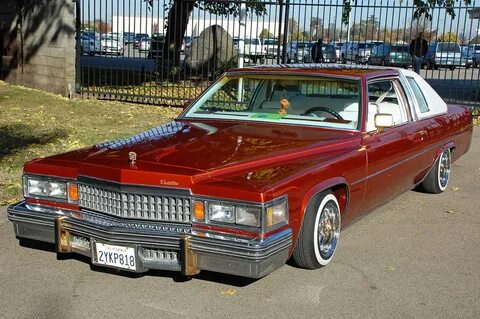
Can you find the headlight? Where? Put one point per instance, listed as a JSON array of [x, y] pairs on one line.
[[268, 216], [49, 188], [249, 216], [221, 213]]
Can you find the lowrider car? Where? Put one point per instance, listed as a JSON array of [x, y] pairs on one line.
[[269, 163]]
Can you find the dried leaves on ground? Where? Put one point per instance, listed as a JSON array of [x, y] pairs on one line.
[[38, 124]]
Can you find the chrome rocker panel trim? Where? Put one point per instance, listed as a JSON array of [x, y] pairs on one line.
[[196, 249]]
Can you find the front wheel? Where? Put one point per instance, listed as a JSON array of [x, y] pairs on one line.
[[438, 177], [320, 232]]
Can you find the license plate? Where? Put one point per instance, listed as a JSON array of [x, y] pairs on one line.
[[115, 256]]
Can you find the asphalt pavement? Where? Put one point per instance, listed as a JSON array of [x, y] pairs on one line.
[[415, 257]]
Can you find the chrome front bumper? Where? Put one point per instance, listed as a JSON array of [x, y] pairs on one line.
[[164, 246]]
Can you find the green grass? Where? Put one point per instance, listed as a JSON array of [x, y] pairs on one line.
[[37, 124]]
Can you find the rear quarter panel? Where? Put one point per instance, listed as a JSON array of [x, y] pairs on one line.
[[453, 129]]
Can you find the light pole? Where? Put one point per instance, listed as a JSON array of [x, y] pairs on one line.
[[241, 46]]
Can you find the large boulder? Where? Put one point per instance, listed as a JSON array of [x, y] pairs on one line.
[[211, 53]]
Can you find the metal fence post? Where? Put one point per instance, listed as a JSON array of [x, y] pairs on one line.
[[285, 32]]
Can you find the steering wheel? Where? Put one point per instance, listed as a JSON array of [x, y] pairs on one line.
[[323, 109]]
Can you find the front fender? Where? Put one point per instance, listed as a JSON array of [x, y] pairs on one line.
[[327, 184]]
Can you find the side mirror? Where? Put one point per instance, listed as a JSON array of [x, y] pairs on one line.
[[383, 120]]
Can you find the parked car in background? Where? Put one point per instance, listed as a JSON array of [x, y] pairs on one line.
[[467, 56], [89, 45], [355, 51], [255, 51], [138, 37], [111, 45], [145, 44], [390, 54], [444, 54], [90, 33], [241, 184], [129, 37], [338, 50], [116, 36], [156, 46], [329, 53], [299, 52], [271, 47], [473, 51]]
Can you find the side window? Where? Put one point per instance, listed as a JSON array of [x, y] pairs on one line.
[[422, 103], [383, 97]]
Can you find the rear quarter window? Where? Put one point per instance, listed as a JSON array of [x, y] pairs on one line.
[[421, 101]]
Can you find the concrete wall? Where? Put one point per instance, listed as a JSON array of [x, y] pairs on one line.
[[45, 54]]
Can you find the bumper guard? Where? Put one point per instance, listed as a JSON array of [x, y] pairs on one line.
[[164, 246]]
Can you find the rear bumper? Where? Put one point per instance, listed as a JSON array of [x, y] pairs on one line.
[[157, 245]]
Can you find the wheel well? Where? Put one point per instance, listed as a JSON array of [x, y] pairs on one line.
[[341, 193]]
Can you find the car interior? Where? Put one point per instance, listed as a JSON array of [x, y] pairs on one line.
[[327, 99]]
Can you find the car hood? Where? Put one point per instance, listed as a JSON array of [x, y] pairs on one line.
[[192, 152]]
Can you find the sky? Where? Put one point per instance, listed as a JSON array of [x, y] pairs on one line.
[[391, 13]]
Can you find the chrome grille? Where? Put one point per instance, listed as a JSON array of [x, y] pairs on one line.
[[135, 205]]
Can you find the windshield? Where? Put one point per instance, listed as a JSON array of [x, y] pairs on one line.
[[365, 45], [271, 42], [252, 41], [399, 48], [303, 44], [448, 47], [287, 99]]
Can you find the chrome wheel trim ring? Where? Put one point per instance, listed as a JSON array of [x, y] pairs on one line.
[[444, 167], [327, 229]]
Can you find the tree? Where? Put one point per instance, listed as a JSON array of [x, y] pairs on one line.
[[366, 29], [179, 12], [332, 33], [448, 37], [421, 24], [294, 33], [96, 25], [423, 8], [265, 34], [316, 27]]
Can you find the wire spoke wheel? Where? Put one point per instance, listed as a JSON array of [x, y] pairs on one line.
[[328, 230], [444, 166]]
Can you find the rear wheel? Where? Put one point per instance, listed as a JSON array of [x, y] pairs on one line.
[[320, 232], [438, 177]]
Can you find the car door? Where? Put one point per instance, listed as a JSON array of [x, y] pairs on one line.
[[394, 154]]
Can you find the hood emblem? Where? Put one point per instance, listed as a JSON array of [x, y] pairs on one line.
[[132, 156]]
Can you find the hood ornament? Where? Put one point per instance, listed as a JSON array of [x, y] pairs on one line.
[[132, 156]]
